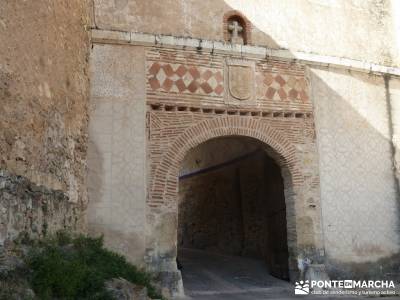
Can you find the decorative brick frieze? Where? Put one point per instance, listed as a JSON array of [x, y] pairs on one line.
[[198, 78], [280, 87], [181, 78], [174, 107]]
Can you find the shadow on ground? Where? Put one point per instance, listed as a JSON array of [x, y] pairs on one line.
[[212, 276]]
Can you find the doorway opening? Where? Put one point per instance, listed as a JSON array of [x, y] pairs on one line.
[[232, 204]]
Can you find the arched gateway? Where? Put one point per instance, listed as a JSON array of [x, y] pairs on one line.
[[188, 97], [303, 235], [156, 99]]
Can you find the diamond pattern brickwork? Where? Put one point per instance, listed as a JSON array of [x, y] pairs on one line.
[[282, 87], [180, 78], [200, 79]]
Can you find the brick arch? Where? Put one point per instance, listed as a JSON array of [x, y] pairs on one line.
[[164, 185]]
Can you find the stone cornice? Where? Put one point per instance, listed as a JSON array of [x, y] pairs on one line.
[[134, 38]]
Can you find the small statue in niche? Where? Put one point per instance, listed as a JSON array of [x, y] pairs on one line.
[[236, 31]]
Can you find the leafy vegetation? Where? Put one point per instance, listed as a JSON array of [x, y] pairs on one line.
[[77, 268]]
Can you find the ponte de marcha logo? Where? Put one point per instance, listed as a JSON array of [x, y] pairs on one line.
[[345, 287], [302, 287]]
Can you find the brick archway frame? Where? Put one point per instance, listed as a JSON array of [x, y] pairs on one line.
[[164, 183], [164, 186]]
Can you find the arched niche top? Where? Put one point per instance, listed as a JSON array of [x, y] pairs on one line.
[[237, 28]]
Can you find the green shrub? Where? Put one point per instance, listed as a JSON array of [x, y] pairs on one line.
[[77, 268]]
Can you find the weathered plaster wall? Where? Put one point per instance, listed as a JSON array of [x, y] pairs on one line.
[[43, 125], [117, 157], [359, 193], [356, 29], [393, 96]]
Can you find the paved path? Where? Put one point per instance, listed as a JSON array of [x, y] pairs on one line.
[[209, 276]]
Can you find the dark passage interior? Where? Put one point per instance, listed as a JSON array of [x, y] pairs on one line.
[[231, 202]]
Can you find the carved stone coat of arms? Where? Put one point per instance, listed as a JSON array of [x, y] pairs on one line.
[[240, 81], [240, 78]]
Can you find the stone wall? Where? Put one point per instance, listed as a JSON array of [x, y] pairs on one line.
[[152, 103], [209, 212], [215, 152], [210, 202], [43, 126], [236, 206], [300, 25]]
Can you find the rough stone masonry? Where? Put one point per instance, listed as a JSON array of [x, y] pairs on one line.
[[44, 88], [166, 77]]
